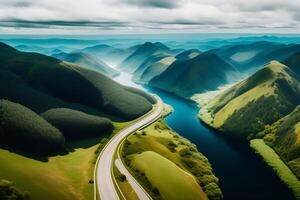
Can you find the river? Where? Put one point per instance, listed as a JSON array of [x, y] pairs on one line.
[[242, 174]]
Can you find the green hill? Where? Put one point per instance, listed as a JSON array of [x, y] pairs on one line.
[[201, 72], [24, 129], [144, 52], [244, 109], [75, 124], [150, 60], [156, 69], [283, 136], [88, 61], [50, 83]]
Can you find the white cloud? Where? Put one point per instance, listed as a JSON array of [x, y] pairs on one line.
[[97, 16]]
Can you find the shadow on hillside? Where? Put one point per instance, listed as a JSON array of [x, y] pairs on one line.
[[43, 157], [71, 146], [83, 143]]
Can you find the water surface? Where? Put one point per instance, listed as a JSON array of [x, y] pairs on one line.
[[243, 174]]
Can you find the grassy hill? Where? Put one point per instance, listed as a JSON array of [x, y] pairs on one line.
[[145, 65], [146, 51], [25, 129], [263, 98], [77, 125], [283, 136], [88, 61], [195, 74], [74, 87]]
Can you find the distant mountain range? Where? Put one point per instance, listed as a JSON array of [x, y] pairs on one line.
[[111, 55], [146, 51]]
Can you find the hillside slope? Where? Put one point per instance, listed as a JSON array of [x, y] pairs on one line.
[[283, 136], [293, 62], [202, 72], [88, 61], [24, 129], [141, 54], [263, 98], [47, 83]]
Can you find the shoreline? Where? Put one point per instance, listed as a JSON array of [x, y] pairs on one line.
[[268, 154], [273, 160]]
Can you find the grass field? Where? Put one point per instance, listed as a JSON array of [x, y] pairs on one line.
[[62, 177], [167, 176], [273, 160], [169, 151]]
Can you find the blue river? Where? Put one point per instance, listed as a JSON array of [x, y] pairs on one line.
[[242, 174]]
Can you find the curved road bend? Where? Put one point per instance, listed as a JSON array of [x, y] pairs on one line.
[[103, 171]]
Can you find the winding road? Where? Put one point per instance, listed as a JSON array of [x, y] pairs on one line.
[[104, 186]]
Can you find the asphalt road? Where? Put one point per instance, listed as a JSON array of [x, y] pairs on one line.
[[104, 185]]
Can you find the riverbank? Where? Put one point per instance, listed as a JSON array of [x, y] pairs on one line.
[[267, 153], [157, 150], [274, 161]]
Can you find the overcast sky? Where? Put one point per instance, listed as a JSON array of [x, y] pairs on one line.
[[148, 16]]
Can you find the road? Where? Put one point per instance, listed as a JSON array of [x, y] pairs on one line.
[[104, 180]]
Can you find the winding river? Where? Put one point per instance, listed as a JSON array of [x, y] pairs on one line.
[[243, 175]]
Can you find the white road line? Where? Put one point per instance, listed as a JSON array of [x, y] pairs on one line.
[[104, 183]]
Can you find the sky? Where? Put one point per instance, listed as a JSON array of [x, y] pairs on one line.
[[148, 16]]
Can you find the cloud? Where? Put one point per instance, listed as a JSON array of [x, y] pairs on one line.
[[149, 15], [155, 3]]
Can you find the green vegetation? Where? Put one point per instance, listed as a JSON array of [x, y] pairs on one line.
[[61, 177], [157, 169], [75, 124], [293, 62], [200, 73], [270, 156], [144, 53], [263, 106], [263, 98], [30, 83], [158, 144], [9, 192], [25, 129], [283, 136]]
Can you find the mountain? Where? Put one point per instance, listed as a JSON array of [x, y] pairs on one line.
[[38, 49], [142, 53], [74, 86], [36, 84], [247, 58], [244, 109], [25, 129], [293, 62], [155, 69], [147, 63], [195, 73], [158, 63], [109, 54], [283, 136], [88, 61]]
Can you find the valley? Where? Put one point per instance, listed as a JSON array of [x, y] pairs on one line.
[[89, 106]]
